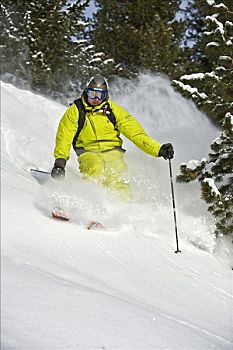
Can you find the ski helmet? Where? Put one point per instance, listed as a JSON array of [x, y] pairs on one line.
[[99, 83]]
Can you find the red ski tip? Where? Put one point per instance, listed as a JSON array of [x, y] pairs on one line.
[[58, 213]]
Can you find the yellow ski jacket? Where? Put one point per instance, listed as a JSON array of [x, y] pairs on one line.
[[98, 133]]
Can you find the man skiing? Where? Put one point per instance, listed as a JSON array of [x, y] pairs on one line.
[[93, 125]]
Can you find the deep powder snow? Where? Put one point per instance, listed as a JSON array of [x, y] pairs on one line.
[[64, 287]]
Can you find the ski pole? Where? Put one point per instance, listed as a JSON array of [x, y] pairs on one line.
[[40, 171], [174, 208]]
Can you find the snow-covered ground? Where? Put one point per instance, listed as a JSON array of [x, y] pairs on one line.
[[64, 287]]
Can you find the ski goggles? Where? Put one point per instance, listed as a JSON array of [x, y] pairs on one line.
[[96, 94]]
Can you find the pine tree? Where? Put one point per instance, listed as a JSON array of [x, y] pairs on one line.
[[216, 177], [221, 171], [47, 45], [96, 62], [13, 47], [213, 91], [139, 35], [194, 13]]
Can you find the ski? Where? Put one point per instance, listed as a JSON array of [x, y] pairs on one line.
[[60, 214], [95, 225]]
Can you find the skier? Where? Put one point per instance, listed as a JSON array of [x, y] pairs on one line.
[[93, 125]]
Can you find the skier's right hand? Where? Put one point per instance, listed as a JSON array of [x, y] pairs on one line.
[[58, 171]]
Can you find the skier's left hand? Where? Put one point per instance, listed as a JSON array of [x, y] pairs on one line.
[[166, 151]]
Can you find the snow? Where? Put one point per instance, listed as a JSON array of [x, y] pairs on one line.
[[209, 167], [193, 76], [198, 76], [99, 54], [228, 24], [225, 181], [191, 90], [231, 116], [210, 2], [219, 25], [64, 287], [212, 75], [96, 60], [109, 60], [212, 43], [212, 185], [221, 5], [192, 164]]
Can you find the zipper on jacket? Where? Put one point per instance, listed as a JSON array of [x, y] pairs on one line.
[[93, 127]]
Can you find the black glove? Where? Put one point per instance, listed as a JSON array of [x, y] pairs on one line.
[[58, 171], [166, 151]]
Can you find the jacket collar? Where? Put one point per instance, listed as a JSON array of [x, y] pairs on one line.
[[93, 109]]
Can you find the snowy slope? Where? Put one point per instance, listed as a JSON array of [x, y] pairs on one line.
[[64, 287]]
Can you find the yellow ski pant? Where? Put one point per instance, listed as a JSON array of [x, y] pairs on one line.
[[108, 168]]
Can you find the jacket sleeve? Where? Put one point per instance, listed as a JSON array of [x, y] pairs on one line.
[[65, 133], [130, 128]]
